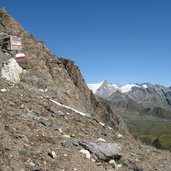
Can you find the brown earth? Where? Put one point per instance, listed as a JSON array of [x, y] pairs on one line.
[[27, 139]]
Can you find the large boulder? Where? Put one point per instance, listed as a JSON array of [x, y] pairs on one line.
[[11, 71], [103, 151]]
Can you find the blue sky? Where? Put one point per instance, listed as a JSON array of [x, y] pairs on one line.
[[122, 41]]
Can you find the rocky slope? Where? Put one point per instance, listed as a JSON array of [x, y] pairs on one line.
[[145, 99], [60, 78], [50, 120], [38, 134]]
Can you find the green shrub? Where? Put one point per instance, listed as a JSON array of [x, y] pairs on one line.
[[122, 162]]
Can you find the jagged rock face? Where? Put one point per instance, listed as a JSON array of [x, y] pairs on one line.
[[60, 77]]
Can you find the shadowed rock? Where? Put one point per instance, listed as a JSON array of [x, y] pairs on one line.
[[103, 151]]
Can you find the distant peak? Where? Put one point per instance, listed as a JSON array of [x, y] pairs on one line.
[[112, 87], [105, 82], [95, 86]]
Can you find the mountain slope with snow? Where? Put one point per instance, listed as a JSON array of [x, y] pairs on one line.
[[112, 87], [95, 87], [139, 98]]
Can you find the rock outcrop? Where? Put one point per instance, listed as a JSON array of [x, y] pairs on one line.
[[103, 151], [11, 71]]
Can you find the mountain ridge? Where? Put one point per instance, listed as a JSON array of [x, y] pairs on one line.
[[143, 98], [95, 86]]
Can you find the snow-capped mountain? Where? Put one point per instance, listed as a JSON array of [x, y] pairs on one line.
[[105, 88], [141, 98]]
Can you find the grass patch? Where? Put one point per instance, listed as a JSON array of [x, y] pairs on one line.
[[155, 128], [155, 133], [122, 162], [165, 142], [148, 139]]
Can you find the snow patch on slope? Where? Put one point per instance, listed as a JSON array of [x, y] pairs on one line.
[[67, 107], [127, 87], [145, 86]]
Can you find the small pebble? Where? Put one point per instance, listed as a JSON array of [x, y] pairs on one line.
[[101, 139], [52, 154], [66, 136], [3, 90], [32, 164], [112, 162]]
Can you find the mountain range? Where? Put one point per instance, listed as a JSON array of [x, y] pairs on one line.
[[143, 99]]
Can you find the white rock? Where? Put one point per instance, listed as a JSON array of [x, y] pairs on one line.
[[3, 90], [110, 127], [66, 136], [60, 130], [42, 90], [32, 164], [119, 135], [112, 162], [101, 123], [93, 160], [118, 166], [101, 140], [73, 135], [86, 153], [52, 154], [11, 71]]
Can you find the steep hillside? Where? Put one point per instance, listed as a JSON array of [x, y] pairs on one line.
[[51, 121], [60, 78], [39, 134]]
